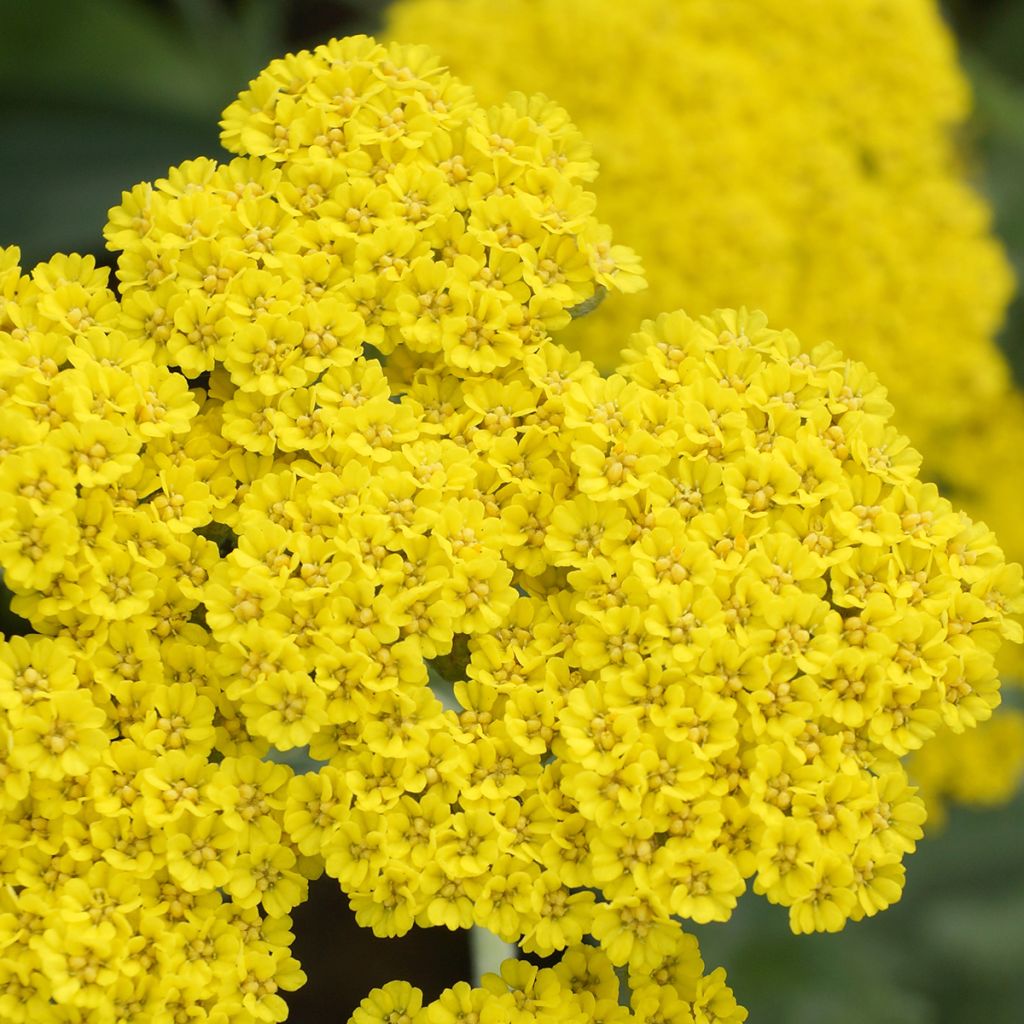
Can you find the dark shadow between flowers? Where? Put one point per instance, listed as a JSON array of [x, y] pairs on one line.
[[343, 961]]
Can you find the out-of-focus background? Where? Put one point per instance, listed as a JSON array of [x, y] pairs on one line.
[[96, 95], [991, 38]]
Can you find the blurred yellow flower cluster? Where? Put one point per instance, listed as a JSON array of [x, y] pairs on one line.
[[982, 766], [319, 467], [799, 157]]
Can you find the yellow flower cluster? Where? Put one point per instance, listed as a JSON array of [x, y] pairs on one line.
[[318, 467], [143, 872], [148, 868], [795, 156], [583, 987]]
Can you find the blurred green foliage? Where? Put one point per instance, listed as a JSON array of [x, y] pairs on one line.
[[991, 35], [96, 95]]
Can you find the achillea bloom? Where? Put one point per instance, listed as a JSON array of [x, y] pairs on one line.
[[817, 174], [583, 986], [690, 616]]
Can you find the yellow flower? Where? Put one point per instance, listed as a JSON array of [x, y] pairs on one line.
[[175, 785], [830, 898], [60, 736], [634, 929], [396, 1000], [567, 651], [267, 875], [714, 1002], [883, 192], [200, 853]]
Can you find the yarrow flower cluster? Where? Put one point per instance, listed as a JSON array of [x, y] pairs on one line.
[[320, 465], [797, 157], [582, 987]]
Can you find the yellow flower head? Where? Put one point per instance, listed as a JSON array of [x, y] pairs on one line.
[[799, 158], [572, 656]]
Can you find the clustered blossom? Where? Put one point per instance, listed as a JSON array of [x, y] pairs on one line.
[[798, 157], [146, 874], [149, 867], [319, 467], [581, 988]]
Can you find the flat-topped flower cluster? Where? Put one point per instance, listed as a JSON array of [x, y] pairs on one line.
[[320, 464], [822, 175], [582, 987]]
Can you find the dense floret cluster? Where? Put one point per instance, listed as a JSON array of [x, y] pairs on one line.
[[319, 470], [582, 988], [797, 157]]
